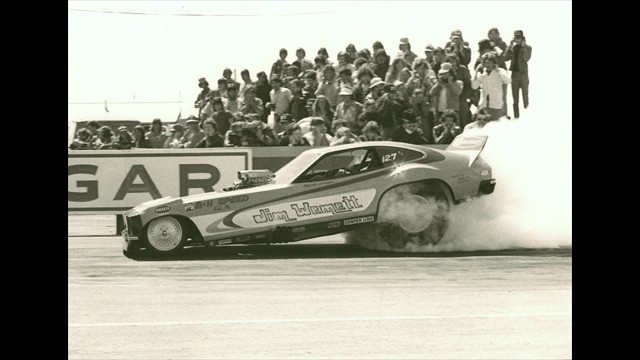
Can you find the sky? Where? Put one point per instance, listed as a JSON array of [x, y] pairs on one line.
[[154, 51]]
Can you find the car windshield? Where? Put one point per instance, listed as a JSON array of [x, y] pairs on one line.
[[295, 167]]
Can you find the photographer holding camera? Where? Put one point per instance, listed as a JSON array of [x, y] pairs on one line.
[[446, 93], [519, 53], [491, 78]]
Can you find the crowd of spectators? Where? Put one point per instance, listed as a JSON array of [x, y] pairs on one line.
[[364, 96]]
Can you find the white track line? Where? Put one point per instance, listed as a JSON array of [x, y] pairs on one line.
[[311, 320]]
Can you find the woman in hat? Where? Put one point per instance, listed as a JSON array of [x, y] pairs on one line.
[[140, 140]]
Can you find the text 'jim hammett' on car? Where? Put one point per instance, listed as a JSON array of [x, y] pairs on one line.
[[322, 191]]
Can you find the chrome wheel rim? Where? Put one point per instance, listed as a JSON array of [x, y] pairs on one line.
[[164, 234]]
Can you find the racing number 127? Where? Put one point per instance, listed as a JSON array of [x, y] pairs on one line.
[[389, 157]]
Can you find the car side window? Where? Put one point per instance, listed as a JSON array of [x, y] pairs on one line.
[[341, 164], [390, 156]]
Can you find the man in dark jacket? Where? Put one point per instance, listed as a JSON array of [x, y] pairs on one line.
[[409, 132], [448, 129], [519, 53]]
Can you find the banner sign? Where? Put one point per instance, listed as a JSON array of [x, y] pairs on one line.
[[112, 181]]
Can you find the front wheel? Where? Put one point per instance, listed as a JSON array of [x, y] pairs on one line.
[[165, 235]]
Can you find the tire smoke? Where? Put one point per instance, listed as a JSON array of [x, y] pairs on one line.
[[531, 204]]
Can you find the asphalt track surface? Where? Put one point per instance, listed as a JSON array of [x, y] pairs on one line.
[[314, 299]]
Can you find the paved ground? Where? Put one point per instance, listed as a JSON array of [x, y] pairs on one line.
[[315, 299]]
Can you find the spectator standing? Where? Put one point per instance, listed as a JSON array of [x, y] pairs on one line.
[[365, 75], [125, 139], [422, 77], [343, 64], [394, 70], [409, 132], [322, 109], [402, 97], [263, 88], [302, 63], [491, 78], [140, 139], [496, 41], [319, 64], [232, 102], [311, 81], [429, 56], [297, 105], [280, 98], [222, 88], [251, 104], [157, 135], [438, 57], [448, 129], [329, 87], [173, 141], [193, 135], [226, 74], [345, 79], [457, 46], [277, 69], [370, 132], [519, 53], [389, 111], [203, 96], [480, 119], [424, 116], [221, 116], [381, 63], [351, 54], [293, 137], [405, 52], [322, 52], [81, 142], [446, 93], [212, 137], [318, 135], [349, 110], [246, 82], [460, 72]]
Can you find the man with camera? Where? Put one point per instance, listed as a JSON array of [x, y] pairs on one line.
[[519, 53], [491, 78], [446, 93]]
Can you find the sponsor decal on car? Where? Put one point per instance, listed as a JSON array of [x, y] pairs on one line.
[[224, 241], [214, 205], [243, 238], [333, 224], [360, 220], [286, 212], [162, 209], [467, 142]]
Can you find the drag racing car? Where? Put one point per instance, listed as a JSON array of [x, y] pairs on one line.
[[404, 190]]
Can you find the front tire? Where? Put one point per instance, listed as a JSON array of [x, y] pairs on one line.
[[165, 235]]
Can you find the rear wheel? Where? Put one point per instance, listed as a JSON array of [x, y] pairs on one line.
[[414, 213], [165, 235]]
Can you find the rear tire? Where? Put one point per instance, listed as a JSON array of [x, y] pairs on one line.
[[165, 235], [414, 214]]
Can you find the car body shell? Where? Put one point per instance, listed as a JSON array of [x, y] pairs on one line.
[[308, 207]]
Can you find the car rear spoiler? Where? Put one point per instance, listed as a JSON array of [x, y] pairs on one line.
[[468, 145]]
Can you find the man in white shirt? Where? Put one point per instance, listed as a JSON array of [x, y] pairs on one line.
[[280, 98], [491, 78], [318, 135]]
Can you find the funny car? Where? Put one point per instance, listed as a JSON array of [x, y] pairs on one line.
[[392, 185]]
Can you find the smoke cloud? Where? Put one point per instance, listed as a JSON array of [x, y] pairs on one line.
[[531, 204]]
